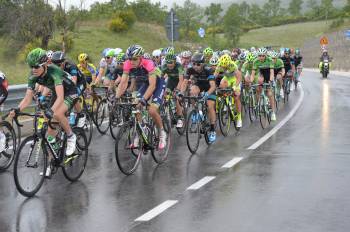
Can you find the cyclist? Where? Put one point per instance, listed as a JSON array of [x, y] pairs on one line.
[[265, 67], [208, 53], [148, 84], [186, 58], [288, 64], [231, 79], [235, 53], [63, 89], [174, 73], [240, 60], [247, 69], [106, 68], [3, 96], [156, 57], [324, 56], [203, 82], [298, 59], [279, 71], [88, 69]]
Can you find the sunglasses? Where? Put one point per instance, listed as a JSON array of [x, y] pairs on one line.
[[134, 58], [197, 64], [156, 57], [37, 66], [261, 55], [120, 63], [170, 62]]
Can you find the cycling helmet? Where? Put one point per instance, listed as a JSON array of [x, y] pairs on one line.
[[168, 50], [225, 52], [58, 57], [252, 49], [262, 51], [147, 56], [250, 57], [156, 52], [49, 54], [170, 58], [297, 51], [2, 76], [198, 58], [214, 60], [274, 54], [225, 60], [104, 52], [110, 53], [134, 51], [121, 57], [36, 57], [117, 51], [208, 51], [83, 57], [236, 50], [242, 56], [186, 54], [286, 51]]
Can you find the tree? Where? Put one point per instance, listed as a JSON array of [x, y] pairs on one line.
[[189, 15], [327, 8], [213, 13], [232, 24], [272, 8], [244, 9], [295, 7]]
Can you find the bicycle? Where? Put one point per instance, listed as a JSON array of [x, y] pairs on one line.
[[227, 110], [11, 143], [139, 127], [197, 123], [103, 110], [169, 107], [36, 153], [264, 108], [286, 86]]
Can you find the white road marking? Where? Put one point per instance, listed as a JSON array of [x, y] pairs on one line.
[[201, 183], [280, 124], [232, 162], [156, 211]]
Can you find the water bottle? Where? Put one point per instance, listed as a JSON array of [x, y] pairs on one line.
[[72, 118], [52, 140]]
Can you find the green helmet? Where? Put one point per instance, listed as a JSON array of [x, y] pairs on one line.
[[110, 53], [121, 57], [36, 57], [208, 51], [170, 58], [250, 57]]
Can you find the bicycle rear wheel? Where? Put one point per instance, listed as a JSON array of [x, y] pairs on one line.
[[127, 156], [159, 155], [88, 127], [10, 144], [30, 166], [263, 113], [252, 109], [102, 117], [224, 118], [193, 131], [74, 165]]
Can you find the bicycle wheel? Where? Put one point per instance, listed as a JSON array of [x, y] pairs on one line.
[[74, 165], [166, 118], [224, 118], [115, 120], [30, 166], [286, 91], [263, 113], [18, 133], [182, 130], [252, 109], [102, 119], [193, 131], [160, 155], [127, 156], [8, 154], [88, 127]]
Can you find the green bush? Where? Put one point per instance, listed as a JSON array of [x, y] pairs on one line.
[[118, 25], [337, 23], [128, 16], [22, 54]]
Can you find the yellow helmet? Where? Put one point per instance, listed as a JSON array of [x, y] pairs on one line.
[[82, 57], [225, 60]]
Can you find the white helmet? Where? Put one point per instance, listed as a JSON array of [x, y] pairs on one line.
[[2, 76], [49, 54], [156, 52], [186, 54], [117, 51], [214, 60]]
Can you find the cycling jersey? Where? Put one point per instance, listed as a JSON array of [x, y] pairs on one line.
[[73, 70], [229, 71], [173, 75], [297, 60], [247, 69], [3, 89], [288, 62], [88, 72], [201, 79], [53, 77], [278, 65], [109, 68], [263, 67]]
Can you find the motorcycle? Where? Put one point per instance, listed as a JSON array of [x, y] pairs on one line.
[[325, 68]]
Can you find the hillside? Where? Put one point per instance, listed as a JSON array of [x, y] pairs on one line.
[[91, 37]]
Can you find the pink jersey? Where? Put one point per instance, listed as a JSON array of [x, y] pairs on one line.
[[146, 64]]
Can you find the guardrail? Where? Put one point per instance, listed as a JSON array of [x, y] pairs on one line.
[[16, 94]]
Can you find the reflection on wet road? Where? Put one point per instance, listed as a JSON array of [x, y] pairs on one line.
[[295, 181]]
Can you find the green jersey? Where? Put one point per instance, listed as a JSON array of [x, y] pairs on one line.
[[173, 75], [247, 67], [278, 64], [263, 67], [53, 77]]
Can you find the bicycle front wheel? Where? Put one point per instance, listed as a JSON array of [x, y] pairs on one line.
[[224, 118], [193, 131], [10, 144], [262, 107], [74, 165], [128, 149], [30, 166], [252, 108], [102, 117], [160, 155]]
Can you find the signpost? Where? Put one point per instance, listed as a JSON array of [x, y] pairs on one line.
[[172, 27], [347, 34], [201, 32], [324, 41]]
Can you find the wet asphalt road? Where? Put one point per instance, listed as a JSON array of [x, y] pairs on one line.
[[295, 181]]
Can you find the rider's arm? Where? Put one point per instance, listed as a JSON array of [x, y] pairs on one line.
[[283, 72], [238, 75], [180, 83], [60, 96], [101, 71], [212, 86], [123, 84], [272, 74], [26, 100]]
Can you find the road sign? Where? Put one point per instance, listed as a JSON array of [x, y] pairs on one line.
[[324, 40], [347, 34], [201, 32], [172, 27]]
